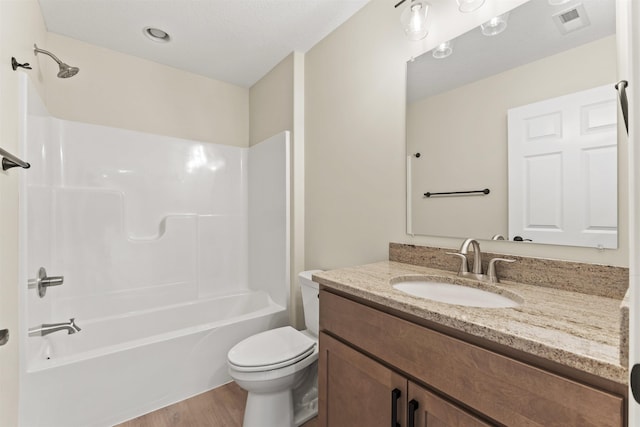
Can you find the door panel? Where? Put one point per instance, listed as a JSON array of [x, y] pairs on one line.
[[354, 390], [563, 170], [543, 193], [436, 412]]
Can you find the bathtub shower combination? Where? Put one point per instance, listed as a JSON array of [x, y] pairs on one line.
[[171, 252]]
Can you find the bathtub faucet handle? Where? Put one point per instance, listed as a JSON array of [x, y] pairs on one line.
[[42, 282]]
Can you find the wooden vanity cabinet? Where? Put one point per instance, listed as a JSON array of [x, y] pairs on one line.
[[366, 354]]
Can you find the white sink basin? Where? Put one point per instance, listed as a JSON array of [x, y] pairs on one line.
[[455, 294]]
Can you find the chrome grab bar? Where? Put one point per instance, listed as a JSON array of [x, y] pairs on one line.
[[621, 87], [10, 161]]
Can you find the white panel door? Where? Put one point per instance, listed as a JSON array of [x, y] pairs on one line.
[[563, 170]]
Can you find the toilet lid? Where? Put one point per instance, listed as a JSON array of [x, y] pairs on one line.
[[271, 349]]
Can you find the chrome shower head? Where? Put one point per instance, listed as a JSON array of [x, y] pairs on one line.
[[66, 70]]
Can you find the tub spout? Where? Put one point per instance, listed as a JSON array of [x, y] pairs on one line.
[[48, 328]]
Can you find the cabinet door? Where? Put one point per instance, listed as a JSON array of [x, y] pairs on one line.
[[425, 409], [355, 390]]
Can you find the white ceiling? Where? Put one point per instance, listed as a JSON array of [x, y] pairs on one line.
[[531, 34], [236, 41]]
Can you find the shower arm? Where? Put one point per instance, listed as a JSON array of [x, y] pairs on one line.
[[46, 52], [65, 69]]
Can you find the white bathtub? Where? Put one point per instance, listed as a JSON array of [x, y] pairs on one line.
[[121, 367]]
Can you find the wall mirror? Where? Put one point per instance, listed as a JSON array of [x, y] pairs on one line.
[[520, 127]]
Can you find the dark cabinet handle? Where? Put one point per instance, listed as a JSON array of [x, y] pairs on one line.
[[395, 395], [411, 413], [635, 382]]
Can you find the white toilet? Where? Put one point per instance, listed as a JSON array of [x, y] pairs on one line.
[[279, 368]]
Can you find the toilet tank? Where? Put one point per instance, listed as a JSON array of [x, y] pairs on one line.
[[310, 301]]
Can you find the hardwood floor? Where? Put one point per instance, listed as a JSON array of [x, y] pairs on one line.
[[221, 407]]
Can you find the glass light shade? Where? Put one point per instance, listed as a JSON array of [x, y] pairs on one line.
[[443, 50], [557, 2], [495, 25], [469, 5], [414, 20]]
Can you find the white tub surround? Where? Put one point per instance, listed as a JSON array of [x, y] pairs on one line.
[[171, 250]]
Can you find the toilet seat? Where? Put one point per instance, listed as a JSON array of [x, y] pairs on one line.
[[273, 349]]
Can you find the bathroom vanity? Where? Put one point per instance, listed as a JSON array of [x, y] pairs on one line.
[[388, 358]]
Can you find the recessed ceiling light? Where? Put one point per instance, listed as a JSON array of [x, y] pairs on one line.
[[443, 50], [156, 34], [495, 25]]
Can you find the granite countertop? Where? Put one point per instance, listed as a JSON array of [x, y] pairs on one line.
[[573, 329]]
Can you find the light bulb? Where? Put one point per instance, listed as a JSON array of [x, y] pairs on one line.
[[416, 23], [469, 5], [414, 20]]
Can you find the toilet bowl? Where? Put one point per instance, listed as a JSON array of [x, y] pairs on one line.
[[279, 370]]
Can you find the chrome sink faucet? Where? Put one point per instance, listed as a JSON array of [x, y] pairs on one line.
[[477, 255], [477, 272], [48, 328]]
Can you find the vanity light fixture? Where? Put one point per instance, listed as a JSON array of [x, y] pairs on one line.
[[443, 50], [495, 25], [414, 19], [156, 34], [467, 6]]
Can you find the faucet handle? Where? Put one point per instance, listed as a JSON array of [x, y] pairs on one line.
[[42, 282], [493, 276], [464, 264]]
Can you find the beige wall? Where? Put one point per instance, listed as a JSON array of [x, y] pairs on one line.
[[114, 89], [21, 25], [355, 142], [479, 147], [271, 102], [355, 102]]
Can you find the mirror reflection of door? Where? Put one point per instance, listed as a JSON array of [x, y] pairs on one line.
[[563, 169], [457, 111]]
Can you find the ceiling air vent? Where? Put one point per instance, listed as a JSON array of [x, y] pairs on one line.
[[571, 19]]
